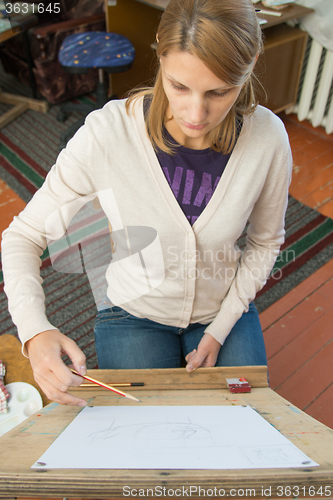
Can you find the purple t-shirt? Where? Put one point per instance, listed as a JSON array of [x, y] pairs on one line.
[[193, 176]]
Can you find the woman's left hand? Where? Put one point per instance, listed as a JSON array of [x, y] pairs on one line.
[[205, 355]]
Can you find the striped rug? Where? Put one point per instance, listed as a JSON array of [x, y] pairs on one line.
[[29, 147]]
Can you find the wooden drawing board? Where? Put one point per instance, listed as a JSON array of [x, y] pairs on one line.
[[22, 446]]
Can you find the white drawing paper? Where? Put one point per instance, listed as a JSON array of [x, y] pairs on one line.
[[171, 437]]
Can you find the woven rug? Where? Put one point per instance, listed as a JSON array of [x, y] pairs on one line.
[[28, 149]]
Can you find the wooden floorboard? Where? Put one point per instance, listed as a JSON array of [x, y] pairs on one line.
[[310, 380], [298, 327], [300, 353], [308, 333], [296, 296], [10, 205], [321, 408], [298, 320], [312, 148]]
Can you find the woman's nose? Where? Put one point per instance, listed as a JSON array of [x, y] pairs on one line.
[[197, 111]]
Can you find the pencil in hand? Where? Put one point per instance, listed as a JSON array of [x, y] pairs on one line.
[[106, 386]]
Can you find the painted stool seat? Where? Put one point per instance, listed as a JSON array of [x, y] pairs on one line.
[[96, 49], [80, 52]]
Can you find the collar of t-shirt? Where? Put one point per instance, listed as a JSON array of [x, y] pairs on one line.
[[192, 175]]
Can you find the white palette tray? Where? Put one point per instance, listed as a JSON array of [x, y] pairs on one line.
[[23, 401]]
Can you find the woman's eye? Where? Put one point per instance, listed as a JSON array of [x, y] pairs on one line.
[[178, 87], [219, 94], [213, 93]]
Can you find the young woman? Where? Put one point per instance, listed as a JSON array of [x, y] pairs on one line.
[[192, 160]]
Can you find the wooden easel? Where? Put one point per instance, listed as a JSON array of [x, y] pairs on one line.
[[21, 104], [207, 386]]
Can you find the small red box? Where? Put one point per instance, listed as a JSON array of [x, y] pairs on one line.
[[238, 385]]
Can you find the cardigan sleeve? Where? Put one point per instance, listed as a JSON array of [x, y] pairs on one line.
[[265, 235], [26, 238]]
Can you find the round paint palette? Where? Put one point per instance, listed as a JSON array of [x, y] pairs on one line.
[[23, 401]]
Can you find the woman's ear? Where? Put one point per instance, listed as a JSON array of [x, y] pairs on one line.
[[157, 40]]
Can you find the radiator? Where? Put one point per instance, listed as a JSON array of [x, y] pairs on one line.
[[314, 101]]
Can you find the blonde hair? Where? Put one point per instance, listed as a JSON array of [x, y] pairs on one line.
[[225, 35]]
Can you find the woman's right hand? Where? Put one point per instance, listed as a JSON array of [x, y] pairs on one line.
[[50, 372]]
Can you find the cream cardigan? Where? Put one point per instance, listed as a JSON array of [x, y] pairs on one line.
[[175, 274]]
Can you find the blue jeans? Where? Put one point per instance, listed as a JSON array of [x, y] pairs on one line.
[[124, 341]]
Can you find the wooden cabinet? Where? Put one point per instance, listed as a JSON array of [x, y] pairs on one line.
[[279, 67], [139, 23]]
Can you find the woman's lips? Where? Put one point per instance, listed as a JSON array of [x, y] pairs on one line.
[[194, 127]]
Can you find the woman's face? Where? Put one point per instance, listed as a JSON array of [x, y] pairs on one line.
[[198, 100]]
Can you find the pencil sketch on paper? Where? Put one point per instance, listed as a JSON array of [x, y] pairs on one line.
[[275, 455], [158, 435], [171, 437]]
